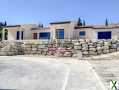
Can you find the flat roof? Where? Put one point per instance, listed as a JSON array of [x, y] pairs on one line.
[[98, 27], [13, 26], [78, 27], [62, 22], [38, 28]]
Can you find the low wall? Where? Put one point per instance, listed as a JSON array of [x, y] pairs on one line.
[[65, 48], [97, 48], [47, 49], [11, 48]]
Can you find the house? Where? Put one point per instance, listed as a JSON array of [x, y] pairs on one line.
[[56, 30], [97, 32], [62, 30], [20, 32]]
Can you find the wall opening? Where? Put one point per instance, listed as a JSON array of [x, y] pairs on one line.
[[22, 35], [44, 35], [105, 35], [18, 35], [34, 35], [82, 34], [60, 34]]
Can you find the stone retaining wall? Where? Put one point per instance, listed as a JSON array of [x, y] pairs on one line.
[[89, 48], [10, 48], [46, 49], [65, 48]]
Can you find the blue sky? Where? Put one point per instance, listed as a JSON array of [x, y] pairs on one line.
[[46, 11]]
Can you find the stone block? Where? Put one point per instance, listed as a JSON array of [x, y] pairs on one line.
[[99, 45], [85, 48], [34, 45], [85, 52], [68, 54], [41, 46], [92, 53], [99, 48], [44, 52], [99, 52], [105, 47], [39, 52], [114, 46], [34, 49], [28, 46], [76, 44], [107, 43], [105, 51], [77, 47], [3, 53], [92, 49], [91, 46], [84, 45], [112, 50]]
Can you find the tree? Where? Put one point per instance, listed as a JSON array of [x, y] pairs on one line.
[[79, 23], [5, 24], [2, 26], [40, 25], [84, 23], [106, 22], [1, 33]]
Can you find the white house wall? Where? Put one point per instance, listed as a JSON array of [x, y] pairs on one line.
[[89, 33], [68, 30], [12, 33], [41, 30], [27, 30], [92, 34], [115, 32]]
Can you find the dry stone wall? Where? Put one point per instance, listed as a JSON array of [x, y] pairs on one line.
[[90, 48], [66, 48], [10, 48], [46, 49]]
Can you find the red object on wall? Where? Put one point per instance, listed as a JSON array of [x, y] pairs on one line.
[[34, 35]]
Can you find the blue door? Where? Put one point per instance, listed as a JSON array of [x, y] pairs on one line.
[[44, 35], [60, 33], [104, 35]]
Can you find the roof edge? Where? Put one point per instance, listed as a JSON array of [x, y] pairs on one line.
[[62, 22]]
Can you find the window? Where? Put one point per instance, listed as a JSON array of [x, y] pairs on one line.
[[34, 35], [82, 34], [44, 35], [18, 35], [104, 35], [22, 35], [60, 33]]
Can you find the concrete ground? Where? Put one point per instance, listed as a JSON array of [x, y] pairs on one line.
[[106, 70], [107, 67], [39, 73]]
